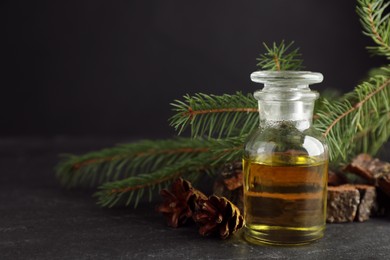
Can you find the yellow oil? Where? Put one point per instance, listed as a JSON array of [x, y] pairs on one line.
[[285, 199]]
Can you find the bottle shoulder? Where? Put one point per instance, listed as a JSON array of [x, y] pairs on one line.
[[269, 140]]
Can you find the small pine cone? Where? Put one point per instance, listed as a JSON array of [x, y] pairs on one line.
[[218, 216], [179, 202]]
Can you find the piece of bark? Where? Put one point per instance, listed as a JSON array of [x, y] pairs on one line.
[[361, 166], [347, 203], [231, 174], [335, 178], [234, 182], [369, 168], [374, 170], [368, 204], [229, 184], [342, 204]]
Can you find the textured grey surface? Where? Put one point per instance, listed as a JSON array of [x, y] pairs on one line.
[[39, 220]]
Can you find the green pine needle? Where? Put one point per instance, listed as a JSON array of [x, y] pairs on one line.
[[215, 116], [126, 160], [280, 57], [375, 20], [132, 189], [359, 122]]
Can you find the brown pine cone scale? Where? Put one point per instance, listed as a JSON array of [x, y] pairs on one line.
[[177, 205], [218, 216]]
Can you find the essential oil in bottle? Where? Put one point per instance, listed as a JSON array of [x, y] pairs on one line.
[[285, 203], [285, 163]]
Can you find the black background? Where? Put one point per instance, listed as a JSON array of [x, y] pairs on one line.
[[112, 67]]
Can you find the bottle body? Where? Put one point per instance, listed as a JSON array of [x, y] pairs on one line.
[[284, 190], [285, 165]]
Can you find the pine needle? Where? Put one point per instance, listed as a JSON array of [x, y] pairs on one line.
[[130, 190], [280, 57], [361, 126], [375, 20], [215, 116], [126, 160]]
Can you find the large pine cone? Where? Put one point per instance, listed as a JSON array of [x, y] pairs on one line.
[[217, 216], [179, 202]]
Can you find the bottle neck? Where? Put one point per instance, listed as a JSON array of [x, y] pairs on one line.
[[298, 113], [286, 99]]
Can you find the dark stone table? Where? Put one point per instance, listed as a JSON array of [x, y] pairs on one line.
[[40, 220]]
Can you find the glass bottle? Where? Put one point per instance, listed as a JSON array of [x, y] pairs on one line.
[[285, 163]]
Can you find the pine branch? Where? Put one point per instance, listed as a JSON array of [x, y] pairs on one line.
[[349, 128], [359, 122], [362, 117], [125, 160], [230, 115], [125, 191], [279, 57], [215, 116], [376, 24], [349, 125], [132, 189], [329, 94], [371, 139]]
